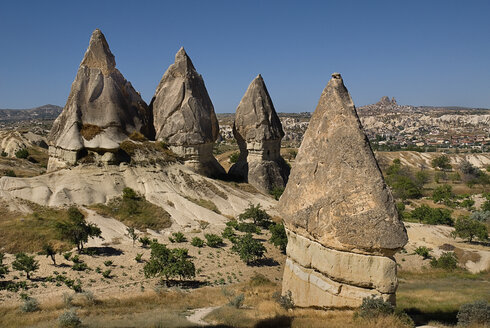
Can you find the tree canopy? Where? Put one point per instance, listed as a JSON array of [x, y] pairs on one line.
[[77, 230]]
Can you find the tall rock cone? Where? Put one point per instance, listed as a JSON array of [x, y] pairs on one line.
[[102, 110], [342, 225], [184, 116], [258, 132]]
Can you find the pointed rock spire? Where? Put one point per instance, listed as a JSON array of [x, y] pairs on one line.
[[258, 131], [256, 118], [184, 115], [98, 54], [102, 110], [338, 211]]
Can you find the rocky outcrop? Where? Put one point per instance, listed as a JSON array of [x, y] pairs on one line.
[[102, 110], [258, 132], [175, 188], [184, 116], [342, 225]]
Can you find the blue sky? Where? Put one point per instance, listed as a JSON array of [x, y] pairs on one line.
[[421, 52]]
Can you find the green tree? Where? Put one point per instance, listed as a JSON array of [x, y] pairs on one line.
[[178, 237], [197, 242], [423, 251], [228, 233], [467, 228], [402, 182], [213, 240], [440, 175], [234, 157], [248, 248], [77, 230], [447, 261], [22, 153], [421, 178], [443, 194], [26, 263], [468, 169], [3, 267], [426, 214], [258, 216], [277, 192], [169, 263], [442, 162], [49, 251], [132, 234], [440, 216], [129, 193], [467, 203], [421, 213], [455, 177], [278, 236]]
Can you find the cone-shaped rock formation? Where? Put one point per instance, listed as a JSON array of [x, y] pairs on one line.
[[184, 116], [102, 110], [258, 132], [340, 217]]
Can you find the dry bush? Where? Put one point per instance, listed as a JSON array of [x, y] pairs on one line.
[[137, 136], [90, 131]]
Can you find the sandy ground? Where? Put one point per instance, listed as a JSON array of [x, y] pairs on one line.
[[198, 315], [215, 266]]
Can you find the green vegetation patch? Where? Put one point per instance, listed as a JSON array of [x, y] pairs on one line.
[[135, 211]]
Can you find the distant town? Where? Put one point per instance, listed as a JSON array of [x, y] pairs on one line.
[[389, 126]]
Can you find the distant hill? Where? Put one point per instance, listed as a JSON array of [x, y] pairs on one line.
[[46, 112]]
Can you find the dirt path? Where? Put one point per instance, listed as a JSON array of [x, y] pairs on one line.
[[198, 315]]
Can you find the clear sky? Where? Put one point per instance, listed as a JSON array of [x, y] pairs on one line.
[[421, 52]]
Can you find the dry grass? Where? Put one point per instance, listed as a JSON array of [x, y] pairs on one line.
[[202, 185], [40, 155], [436, 295], [244, 187], [90, 131], [20, 232], [146, 309], [465, 256], [429, 297], [139, 214], [206, 203], [137, 136]]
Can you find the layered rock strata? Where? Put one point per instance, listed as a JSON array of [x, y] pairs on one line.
[[102, 110], [342, 225], [258, 132], [184, 116]]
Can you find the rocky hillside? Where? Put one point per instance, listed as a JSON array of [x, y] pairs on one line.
[[175, 188], [46, 112], [387, 117]]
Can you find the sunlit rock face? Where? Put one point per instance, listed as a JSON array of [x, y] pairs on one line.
[[102, 110], [342, 224], [184, 116], [258, 132]]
